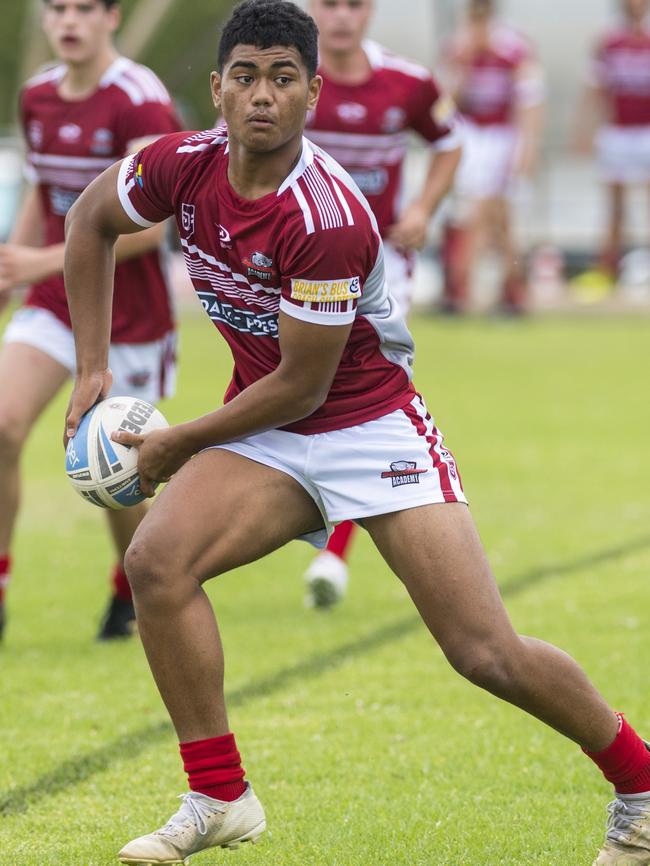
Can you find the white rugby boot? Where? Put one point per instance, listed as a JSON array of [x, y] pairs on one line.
[[326, 579], [627, 842], [200, 823]]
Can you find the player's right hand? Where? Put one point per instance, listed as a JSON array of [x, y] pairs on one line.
[[88, 390]]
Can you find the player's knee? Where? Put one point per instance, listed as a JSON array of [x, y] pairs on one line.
[[487, 663], [12, 435], [150, 570]]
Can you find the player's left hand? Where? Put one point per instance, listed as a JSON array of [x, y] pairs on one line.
[[159, 456], [410, 230], [20, 265]]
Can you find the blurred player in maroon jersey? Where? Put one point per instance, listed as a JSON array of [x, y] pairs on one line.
[[370, 100], [619, 98], [79, 116], [498, 86], [321, 423]]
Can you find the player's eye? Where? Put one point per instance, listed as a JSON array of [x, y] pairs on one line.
[[244, 79], [283, 80]]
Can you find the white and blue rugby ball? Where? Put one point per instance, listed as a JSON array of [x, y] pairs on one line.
[[102, 471]]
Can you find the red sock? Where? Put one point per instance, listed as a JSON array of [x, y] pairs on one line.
[[214, 767], [121, 588], [626, 763], [340, 539], [5, 573]]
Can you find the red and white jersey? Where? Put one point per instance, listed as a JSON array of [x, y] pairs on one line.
[[310, 249], [69, 144], [490, 92], [364, 126], [621, 69]]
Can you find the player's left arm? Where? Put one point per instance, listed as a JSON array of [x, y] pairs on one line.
[[434, 118], [530, 96], [310, 356]]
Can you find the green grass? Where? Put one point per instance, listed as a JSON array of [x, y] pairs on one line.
[[363, 745]]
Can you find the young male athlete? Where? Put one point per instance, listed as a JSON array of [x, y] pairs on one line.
[[498, 86], [370, 100], [619, 98], [79, 116], [287, 259]]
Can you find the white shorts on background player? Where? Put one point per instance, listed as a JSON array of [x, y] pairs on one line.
[[487, 165], [623, 153], [144, 370], [399, 276], [393, 463]]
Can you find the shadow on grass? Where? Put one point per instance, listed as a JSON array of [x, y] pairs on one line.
[[76, 770]]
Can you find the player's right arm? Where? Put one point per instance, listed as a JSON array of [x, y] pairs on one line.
[[93, 226]]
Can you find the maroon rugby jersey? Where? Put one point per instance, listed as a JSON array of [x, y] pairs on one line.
[[311, 249], [622, 70], [364, 126], [489, 91], [69, 144]]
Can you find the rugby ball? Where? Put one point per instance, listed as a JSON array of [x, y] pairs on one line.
[[102, 471]]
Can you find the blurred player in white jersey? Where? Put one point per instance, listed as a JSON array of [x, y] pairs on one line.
[[618, 100], [321, 423], [498, 85], [79, 116], [370, 100]]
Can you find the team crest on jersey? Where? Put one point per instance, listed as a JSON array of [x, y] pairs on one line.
[[70, 133], [393, 120], [35, 134], [259, 266], [188, 212], [404, 472], [352, 112], [102, 142]]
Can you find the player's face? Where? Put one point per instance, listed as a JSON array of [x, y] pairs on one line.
[[265, 94], [79, 30], [342, 24], [480, 10], [636, 9]]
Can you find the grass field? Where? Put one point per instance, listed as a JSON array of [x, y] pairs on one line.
[[364, 746]]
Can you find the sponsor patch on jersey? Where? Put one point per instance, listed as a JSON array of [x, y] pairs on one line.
[[70, 132], [352, 112], [102, 142], [404, 472], [259, 266], [394, 119], [325, 291]]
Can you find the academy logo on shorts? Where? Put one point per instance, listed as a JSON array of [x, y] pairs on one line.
[[404, 472], [326, 291]]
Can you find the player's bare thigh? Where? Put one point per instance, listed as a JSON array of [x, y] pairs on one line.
[[436, 552], [220, 511], [29, 380]]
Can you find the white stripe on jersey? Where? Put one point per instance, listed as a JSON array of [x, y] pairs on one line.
[[326, 204], [123, 190], [359, 140], [138, 82], [204, 139], [81, 163], [257, 289], [52, 73], [380, 58], [302, 201], [306, 314]]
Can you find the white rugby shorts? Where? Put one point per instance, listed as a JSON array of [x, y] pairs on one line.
[[399, 276], [487, 165], [393, 463], [623, 154], [144, 370]]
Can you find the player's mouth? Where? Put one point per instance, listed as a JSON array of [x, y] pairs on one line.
[[260, 121], [70, 41]]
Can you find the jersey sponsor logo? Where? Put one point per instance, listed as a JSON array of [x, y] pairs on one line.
[[352, 112], [70, 133], [102, 142], [404, 472], [370, 182], [245, 321], [35, 134], [393, 120], [259, 266], [61, 200], [188, 212], [224, 238], [326, 291]]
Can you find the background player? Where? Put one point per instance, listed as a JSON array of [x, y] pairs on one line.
[[78, 117], [370, 100], [619, 96], [294, 281], [498, 86]]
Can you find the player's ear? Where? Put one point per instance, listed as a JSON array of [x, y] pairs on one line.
[[315, 86], [215, 87], [115, 17]]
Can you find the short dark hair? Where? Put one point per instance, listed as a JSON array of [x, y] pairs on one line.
[[107, 3], [265, 23]]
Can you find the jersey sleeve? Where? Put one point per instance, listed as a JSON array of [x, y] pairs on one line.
[[324, 274], [147, 181], [433, 115]]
